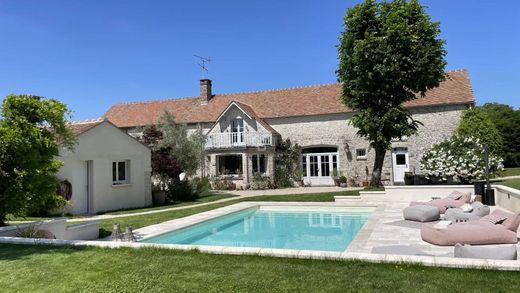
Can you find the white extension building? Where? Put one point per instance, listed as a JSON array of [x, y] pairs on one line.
[[108, 169]]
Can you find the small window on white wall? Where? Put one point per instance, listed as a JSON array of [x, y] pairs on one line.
[[361, 154], [120, 172]]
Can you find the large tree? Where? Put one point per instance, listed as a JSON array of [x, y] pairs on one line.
[[476, 123], [31, 129], [507, 120], [174, 151], [389, 53]]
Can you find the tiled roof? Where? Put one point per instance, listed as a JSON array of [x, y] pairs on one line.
[[249, 111], [79, 127], [302, 101]]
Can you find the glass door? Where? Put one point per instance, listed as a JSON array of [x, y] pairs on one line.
[[237, 131]]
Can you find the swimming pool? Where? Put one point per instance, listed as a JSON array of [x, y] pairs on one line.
[[302, 228]]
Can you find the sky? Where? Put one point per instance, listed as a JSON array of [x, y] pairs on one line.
[[93, 54]]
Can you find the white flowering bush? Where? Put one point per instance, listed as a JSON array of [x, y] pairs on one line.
[[460, 159]]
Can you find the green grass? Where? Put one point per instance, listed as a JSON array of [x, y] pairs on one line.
[[88, 269], [513, 183], [209, 198], [510, 172], [145, 220]]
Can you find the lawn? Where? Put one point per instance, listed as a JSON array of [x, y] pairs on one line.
[[513, 183], [204, 199], [155, 218], [510, 172], [88, 269], [208, 198]]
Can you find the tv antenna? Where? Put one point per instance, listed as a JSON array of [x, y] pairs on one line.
[[204, 62]]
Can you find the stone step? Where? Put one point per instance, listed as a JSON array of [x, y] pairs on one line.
[[347, 198]]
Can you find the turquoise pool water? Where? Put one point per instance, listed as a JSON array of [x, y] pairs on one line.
[[327, 229]]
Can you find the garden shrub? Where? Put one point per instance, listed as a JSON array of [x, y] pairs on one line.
[[186, 190], [260, 182], [459, 159], [222, 184], [287, 168]]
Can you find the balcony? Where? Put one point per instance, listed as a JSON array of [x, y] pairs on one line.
[[228, 140]]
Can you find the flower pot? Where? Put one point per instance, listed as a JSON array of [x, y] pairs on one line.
[[343, 184], [408, 178], [158, 197]]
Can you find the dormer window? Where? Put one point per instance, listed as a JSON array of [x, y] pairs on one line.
[[237, 131], [237, 125]]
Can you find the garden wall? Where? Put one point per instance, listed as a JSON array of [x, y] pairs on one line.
[[507, 198], [58, 227]]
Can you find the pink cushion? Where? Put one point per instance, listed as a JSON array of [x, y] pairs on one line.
[[443, 203], [511, 222], [494, 218], [455, 195], [471, 232]]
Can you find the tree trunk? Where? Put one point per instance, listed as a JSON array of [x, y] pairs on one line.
[[375, 181]]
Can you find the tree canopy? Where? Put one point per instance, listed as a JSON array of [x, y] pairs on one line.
[[173, 150], [476, 123], [507, 121], [388, 53], [31, 130]]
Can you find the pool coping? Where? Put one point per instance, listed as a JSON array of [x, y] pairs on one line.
[[185, 222]]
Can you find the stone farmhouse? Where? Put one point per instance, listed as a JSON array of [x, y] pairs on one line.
[[243, 129]]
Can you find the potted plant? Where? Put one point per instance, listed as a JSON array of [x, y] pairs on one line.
[[351, 181], [408, 178], [343, 181], [335, 176], [299, 175]]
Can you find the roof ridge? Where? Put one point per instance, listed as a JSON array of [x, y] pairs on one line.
[[280, 89], [225, 94], [156, 100], [87, 121], [457, 70]]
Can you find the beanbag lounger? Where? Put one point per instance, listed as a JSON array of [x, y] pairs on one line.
[[479, 211], [421, 213], [506, 252], [455, 199], [497, 228]]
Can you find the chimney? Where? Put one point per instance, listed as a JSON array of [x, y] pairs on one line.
[[205, 89]]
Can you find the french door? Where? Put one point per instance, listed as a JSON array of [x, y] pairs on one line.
[[237, 131], [317, 168]]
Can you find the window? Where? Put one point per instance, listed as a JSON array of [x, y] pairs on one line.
[[259, 164], [120, 172], [230, 165], [400, 159], [304, 166], [237, 125], [237, 131], [325, 171], [361, 154]]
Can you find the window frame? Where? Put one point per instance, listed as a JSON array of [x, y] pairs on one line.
[[115, 173], [256, 159], [361, 157]]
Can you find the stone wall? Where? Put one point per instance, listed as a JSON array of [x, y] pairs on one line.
[[335, 130]]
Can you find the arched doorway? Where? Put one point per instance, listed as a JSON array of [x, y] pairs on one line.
[[318, 164]]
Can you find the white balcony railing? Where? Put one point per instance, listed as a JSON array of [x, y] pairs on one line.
[[238, 139]]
